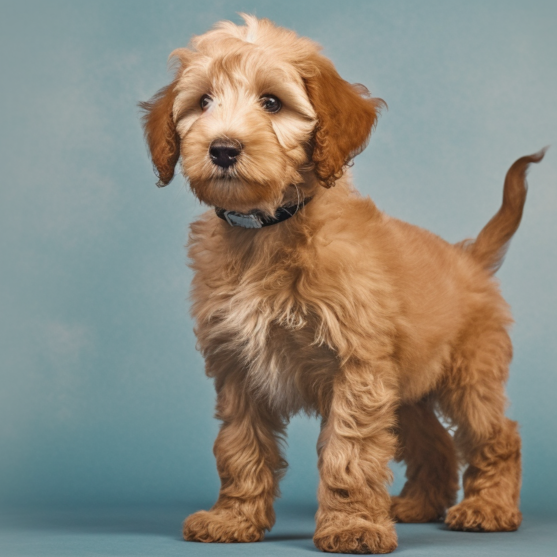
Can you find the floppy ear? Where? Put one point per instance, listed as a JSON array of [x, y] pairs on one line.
[[346, 114], [160, 133]]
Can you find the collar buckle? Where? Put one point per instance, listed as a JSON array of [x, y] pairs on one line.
[[244, 220]]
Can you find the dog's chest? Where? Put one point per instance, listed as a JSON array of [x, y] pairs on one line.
[[276, 342], [272, 335], [256, 313]]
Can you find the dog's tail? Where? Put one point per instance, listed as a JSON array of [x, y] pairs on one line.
[[492, 242]]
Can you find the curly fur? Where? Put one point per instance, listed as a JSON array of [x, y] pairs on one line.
[[341, 311]]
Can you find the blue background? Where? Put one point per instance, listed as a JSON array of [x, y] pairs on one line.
[[103, 399]]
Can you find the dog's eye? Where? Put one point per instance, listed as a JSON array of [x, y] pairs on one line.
[[271, 103], [205, 101]]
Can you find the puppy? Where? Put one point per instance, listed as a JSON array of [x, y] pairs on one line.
[[308, 298]]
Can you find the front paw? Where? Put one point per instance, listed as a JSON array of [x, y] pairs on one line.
[[355, 535], [220, 526], [479, 515]]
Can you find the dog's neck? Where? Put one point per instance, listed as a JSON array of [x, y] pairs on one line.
[[296, 233], [258, 219], [294, 199]]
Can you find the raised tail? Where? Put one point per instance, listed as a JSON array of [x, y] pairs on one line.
[[492, 242]]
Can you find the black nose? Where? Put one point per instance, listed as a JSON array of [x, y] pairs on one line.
[[224, 153]]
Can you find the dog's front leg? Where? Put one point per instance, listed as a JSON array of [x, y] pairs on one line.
[[355, 447], [249, 464]]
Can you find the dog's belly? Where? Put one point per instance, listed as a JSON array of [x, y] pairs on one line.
[[291, 372], [418, 378], [287, 362]]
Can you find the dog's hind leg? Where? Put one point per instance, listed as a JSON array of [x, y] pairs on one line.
[[473, 397], [431, 465]]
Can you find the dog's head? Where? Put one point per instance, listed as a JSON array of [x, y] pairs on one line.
[[254, 110]]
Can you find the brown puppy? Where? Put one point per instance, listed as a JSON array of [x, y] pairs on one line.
[[338, 310]]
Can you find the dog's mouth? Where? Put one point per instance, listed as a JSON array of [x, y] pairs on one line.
[[236, 176], [226, 174], [227, 190]]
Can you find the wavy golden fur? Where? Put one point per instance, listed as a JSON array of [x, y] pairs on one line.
[[373, 324]]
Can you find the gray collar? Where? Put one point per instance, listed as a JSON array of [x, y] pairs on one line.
[[257, 219]]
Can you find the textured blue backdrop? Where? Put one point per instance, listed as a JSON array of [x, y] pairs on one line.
[[103, 399]]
